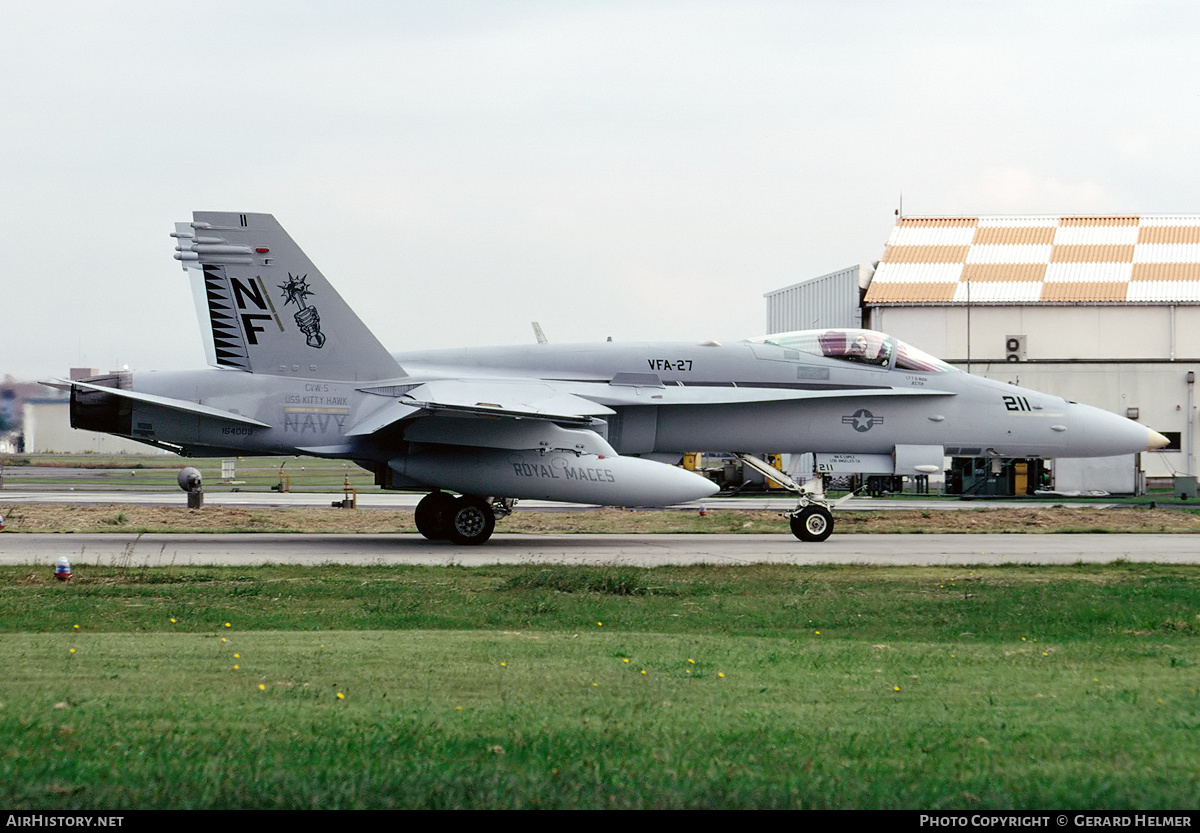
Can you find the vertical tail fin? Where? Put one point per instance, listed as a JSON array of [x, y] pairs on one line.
[[265, 308]]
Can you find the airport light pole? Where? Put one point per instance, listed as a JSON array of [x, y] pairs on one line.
[[1191, 445]]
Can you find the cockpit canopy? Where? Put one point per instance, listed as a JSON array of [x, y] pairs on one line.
[[860, 346]]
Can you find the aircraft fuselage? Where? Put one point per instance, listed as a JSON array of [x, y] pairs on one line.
[[966, 414]]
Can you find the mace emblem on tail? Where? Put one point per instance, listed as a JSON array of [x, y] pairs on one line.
[[307, 318]]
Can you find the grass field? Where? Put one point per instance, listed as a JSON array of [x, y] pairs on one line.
[[698, 687], [159, 472], [216, 519]]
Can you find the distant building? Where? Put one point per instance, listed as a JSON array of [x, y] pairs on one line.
[[13, 395], [48, 429], [1102, 310], [833, 300]]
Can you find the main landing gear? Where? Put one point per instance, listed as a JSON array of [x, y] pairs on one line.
[[466, 520]]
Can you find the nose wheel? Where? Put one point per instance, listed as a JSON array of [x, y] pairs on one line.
[[811, 523]]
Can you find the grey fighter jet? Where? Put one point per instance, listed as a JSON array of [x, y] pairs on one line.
[[297, 372]]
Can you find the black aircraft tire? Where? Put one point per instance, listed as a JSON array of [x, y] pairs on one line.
[[814, 524], [432, 515], [472, 521]]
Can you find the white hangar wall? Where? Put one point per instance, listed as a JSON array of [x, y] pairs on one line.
[[1119, 333]]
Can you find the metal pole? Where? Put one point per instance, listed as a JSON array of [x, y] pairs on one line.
[[1172, 332], [1191, 380]]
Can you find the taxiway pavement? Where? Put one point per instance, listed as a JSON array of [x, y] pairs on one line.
[[406, 500], [158, 550]]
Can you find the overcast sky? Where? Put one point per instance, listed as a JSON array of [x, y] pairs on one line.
[[645, 170]]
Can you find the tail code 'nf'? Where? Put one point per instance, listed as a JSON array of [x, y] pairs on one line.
[[265, 308]]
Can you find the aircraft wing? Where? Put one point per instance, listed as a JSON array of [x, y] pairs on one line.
[[515, 400], [490, 414], [524, 399]]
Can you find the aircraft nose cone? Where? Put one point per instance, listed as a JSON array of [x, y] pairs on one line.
[[1100, 433]]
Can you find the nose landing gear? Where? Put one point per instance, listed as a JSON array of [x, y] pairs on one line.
[[812, 519]]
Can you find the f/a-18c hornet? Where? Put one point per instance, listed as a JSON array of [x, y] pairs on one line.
[[297, 372]]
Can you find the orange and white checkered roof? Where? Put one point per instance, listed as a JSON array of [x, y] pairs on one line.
[[1148, 259]]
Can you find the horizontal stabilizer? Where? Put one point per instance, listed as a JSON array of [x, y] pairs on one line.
[[166, 402]]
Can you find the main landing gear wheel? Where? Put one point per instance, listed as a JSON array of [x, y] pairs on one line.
[[814, 523], [433, 515], [471, 520]]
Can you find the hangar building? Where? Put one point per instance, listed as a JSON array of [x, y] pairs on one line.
[[1103, 310]]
